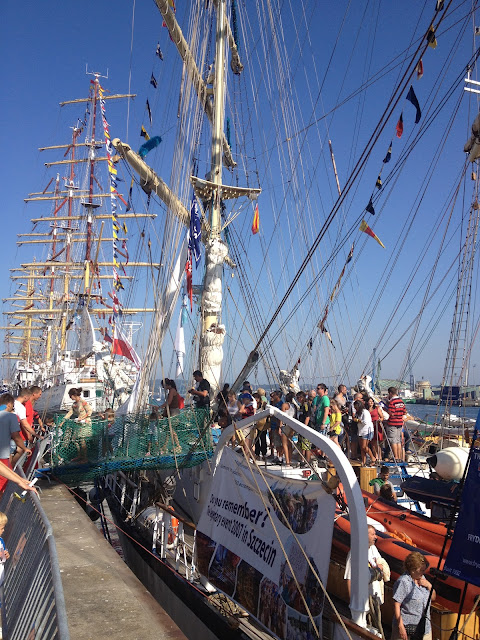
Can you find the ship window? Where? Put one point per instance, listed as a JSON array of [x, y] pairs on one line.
[[99, 393], [86, 393]]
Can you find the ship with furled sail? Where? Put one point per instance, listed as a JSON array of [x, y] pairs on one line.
[[260, 309]]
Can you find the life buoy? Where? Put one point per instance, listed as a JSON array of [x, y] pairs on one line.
[[172, 531]]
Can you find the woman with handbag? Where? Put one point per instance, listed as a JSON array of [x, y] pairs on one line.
[[411, 596]]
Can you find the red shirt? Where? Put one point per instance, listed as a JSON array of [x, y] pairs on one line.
[[396, 410]]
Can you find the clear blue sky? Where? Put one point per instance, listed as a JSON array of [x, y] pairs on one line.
[[46, 47]]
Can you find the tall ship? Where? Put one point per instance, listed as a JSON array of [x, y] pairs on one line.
[[66, 320], [272, 259]]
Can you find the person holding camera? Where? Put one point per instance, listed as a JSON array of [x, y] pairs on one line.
[[379, 574]]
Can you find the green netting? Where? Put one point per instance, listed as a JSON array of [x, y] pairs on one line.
[[83, 451]]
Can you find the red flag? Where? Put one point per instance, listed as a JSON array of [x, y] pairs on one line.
[[188, 270], [122, 347], [400, 126], [420, 69], [256, 221]]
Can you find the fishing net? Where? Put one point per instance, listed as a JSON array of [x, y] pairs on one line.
[[83, 451]]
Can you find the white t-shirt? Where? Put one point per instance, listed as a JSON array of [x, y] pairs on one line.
[[365, 424], [375, 587], [20, 410]]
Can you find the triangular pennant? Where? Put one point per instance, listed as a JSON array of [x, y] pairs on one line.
[[399, 126], [378, 183], [369, 208], [158, 52], [366, 229], [419, 69], [153, 81], [149, 111], [411, 97], [256, 221], [144, 134], [388, 157]]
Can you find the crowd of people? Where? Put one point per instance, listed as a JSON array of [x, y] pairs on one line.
[[367, 431]]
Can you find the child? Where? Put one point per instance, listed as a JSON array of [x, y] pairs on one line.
[[4, 555]]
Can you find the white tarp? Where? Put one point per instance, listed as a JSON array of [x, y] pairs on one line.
[[239, 551]]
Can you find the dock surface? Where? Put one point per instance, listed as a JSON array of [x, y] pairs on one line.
[[103, 597]]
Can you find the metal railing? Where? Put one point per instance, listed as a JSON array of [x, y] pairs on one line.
[[33, 604]]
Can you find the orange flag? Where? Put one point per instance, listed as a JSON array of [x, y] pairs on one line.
[[256, 221], [366, 229]]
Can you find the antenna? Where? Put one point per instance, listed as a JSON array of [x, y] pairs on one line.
[[97, 74]]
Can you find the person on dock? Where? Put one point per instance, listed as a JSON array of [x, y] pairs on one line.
[[21, 412], [37, 423], [9, 430], [379, 574], [4, 554]]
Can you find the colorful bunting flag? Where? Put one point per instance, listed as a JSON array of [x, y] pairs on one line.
[[366, 229], [158, 52], [378, 183], [420, 69], [411, 97], [388, 157], [149, 111], [153, 82], [144, 134], [195, 234], [369, 208], [400, 126], [256, 221]]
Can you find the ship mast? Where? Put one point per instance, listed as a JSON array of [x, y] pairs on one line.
[[210, 190]]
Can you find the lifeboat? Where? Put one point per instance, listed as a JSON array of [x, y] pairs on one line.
[[449, 590], [398, 520]]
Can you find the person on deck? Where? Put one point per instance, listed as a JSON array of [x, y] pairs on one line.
[[83, 411], [321, 405], [381, 480], [365, 431], [275, 436], [377, 417], [336, 428], [396, 410], [261, 425], [411, 594], [201, 393], [171, 406], [379, 573]]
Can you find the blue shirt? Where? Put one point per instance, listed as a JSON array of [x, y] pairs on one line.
[[412, 599]]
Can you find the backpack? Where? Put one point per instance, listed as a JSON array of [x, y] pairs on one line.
[[181, 402]]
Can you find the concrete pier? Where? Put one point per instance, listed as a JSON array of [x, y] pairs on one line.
[[103, 597]]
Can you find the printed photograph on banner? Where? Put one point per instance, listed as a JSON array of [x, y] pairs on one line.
[[223, 570], [248, 586], [272, 609], [293, 508]]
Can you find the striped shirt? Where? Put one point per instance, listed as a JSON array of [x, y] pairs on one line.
[[396, 410]]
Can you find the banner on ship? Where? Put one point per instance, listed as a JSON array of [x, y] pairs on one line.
[[243, 540], [463, 560]]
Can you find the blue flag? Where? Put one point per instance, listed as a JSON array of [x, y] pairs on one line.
[[149, 145], [463, 559], [195, 235], [411, 97]]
